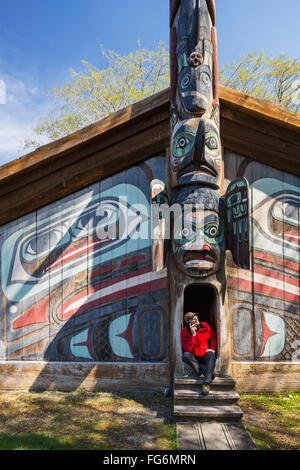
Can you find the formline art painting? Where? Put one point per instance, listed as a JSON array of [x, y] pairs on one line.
[[71, 293]]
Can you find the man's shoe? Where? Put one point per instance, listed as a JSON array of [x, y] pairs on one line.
[[205, 389]]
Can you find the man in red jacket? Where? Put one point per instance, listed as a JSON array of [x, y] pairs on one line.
[[198, 342]]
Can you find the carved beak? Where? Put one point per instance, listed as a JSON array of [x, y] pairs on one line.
[[198, 151]]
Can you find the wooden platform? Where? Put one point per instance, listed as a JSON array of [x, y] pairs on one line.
[[213, 436]]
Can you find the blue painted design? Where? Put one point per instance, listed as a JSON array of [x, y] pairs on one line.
[[79, 345], [120, 346], [33, 242]]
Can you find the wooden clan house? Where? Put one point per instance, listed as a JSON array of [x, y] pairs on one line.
[[188, 201], [78, 310]]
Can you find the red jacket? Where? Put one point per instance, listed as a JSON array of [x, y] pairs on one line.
[[198, 345]]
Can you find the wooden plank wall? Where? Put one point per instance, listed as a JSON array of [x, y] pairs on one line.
[[73, 292], [264, 301]]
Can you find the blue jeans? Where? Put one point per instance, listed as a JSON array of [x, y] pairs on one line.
[[205, 364]]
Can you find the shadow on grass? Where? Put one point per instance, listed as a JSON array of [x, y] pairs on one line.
[[264, 440], [75, 421], [151, 401], [35, 441]]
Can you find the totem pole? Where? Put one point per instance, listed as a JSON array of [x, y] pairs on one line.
[[210, 222]]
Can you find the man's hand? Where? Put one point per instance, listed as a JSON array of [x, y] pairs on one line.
[[193, 328]]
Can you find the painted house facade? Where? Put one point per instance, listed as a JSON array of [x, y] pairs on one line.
[[81, 302]]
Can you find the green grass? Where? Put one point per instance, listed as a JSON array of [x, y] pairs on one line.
[[273, 420]]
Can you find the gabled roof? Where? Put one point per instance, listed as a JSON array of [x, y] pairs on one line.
[[257, 129]]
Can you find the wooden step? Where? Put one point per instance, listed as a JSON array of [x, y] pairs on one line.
[[183, 412], [195, 397], [220, 383]]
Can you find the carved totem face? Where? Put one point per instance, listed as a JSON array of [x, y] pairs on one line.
[[194, 57], [198, 241], [196, 153], [195, 82], [199, 246]]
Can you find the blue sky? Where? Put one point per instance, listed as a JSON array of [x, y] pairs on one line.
[[40, 40]]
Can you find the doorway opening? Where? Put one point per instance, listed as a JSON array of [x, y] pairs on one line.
[[203, 300]]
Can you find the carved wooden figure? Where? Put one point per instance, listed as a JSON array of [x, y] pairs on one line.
[[196, 152], [193, 56], [195, 141], [206, 224]]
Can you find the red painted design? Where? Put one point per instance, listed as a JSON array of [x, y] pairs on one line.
[[127, 335], [38, 313], [74, 252], [258, 255], [35, 315], [136, 290], [291, 236], [262, 289], [266, 333], [274, 275]]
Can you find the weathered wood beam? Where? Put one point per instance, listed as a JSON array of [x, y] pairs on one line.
[[266, 377], [134, 117], [93, 376], [261, 109], [260, 130]]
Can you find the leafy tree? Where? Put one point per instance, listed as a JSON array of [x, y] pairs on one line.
[[92, 94], [272, 78]]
